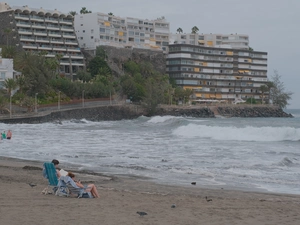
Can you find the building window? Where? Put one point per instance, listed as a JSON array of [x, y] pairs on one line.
[[81, 38], [92, 30], [81, 24], [83, 31], [3, 75], [92, 37]]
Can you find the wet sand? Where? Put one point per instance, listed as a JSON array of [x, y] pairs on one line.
[[121, 197]]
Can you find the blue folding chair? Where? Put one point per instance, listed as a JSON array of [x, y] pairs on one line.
[[49, 172]]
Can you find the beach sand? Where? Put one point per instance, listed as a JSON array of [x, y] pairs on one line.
[[122, 197]]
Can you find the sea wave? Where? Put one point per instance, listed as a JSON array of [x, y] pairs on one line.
[[248, 133]]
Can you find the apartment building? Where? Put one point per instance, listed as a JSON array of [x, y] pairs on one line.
[[6, 70], [218, 73], [237, 41], [94, 29], [40, 30]]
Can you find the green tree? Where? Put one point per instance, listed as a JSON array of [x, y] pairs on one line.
[[73, 13], [21, 83], [3, 103], [195, 30], [8, 52], [179, 30], [278, 95], [155, 88], [97, 65], [84, 11], [10, 84], [110, 14], [263, 89], [84, 76]]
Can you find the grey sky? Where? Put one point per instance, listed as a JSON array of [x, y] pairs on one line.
[[272, 25]]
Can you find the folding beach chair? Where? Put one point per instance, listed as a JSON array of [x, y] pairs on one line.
[[72, 189], [49, 172]]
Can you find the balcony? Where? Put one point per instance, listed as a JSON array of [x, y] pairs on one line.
[[59, 48], [71, 36], [37, 18], [51, 20], [40, 33], [29, 46], [26, 38], [45, 47], [73, 49], [25, 31], [21, 17], [52, 34], [23, 24], [60, 41], [52, 27], [66, 28], [69, 42], [65, 21], [38, 26], [42, 40], [76, 56]]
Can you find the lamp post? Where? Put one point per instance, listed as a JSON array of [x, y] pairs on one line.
[[58, 102], [83, 99], [109, 95], [35, 102], [10, 106]]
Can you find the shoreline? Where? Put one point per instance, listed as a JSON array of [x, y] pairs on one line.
[[121, 197]]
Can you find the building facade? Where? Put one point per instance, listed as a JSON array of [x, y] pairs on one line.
[[237, 41], [40, 30], [94, 29], [218, 73], [6, 70]]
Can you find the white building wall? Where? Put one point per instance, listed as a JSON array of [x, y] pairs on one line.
[[6, 70], [87, 30]]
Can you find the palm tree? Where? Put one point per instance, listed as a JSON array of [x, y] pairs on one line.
[[179, 30], [73, 13], [110, 14], [84, 11], [9, 52], [10, 84], [194, 30], [21, 82]]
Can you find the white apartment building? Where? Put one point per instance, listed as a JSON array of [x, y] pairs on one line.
[[237, 41], [6, 70], [94, 29], [40, 30]]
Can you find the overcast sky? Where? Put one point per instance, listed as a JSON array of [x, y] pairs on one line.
[[272, 25]]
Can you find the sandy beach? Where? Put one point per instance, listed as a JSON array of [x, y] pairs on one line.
[[122, 197]]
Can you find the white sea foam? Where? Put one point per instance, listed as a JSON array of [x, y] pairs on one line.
[[248, 133], [161, 119]]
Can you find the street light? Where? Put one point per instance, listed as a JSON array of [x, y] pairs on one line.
[[58, 102], [83, 99], [35, 103], [110, 95], [10, 106]]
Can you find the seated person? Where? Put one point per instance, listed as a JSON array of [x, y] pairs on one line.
[[56, 162], [87, 188]]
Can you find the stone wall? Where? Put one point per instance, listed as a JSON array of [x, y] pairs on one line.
[[117, 112], [252, 111], [99, 113]]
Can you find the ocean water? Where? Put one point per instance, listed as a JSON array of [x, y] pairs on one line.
[[242, 153]]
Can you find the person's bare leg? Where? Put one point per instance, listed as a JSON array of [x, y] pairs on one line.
[[94, 190]]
